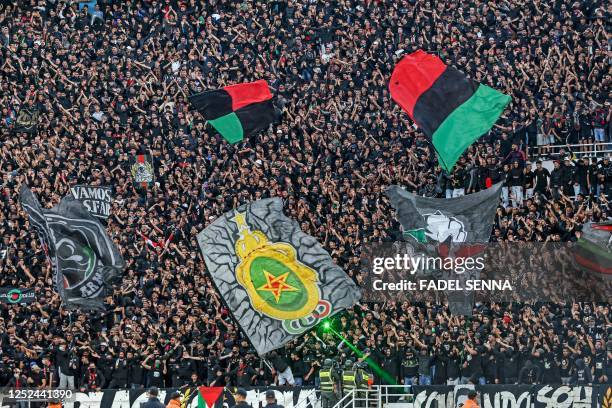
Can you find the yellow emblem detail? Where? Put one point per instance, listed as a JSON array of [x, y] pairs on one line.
[[255, 245]]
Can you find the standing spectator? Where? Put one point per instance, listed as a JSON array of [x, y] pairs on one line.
[[240, 398], [529, 374], [153, 401], [120, 372], [175, 400], [582, 374], [515, 183], [542, 176], [271, 400], [67, 366], [92, 379], [284, 376], [530, 178]]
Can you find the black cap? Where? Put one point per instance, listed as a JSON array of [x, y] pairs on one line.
[[153, 391], [270, 394], [472, 394], [175, 395], [242, 392]]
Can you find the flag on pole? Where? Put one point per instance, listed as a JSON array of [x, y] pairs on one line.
[[85, 259], [451, 109], [236, 111], [277, 281]]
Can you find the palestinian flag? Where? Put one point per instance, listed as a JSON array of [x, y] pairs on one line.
[[208, 396], [451, 109], [236, 111]]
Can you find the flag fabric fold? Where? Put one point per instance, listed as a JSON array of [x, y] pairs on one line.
[[451, 109], [458, 226], [236, 111], [593, 250], [277, 281], [83, 256]]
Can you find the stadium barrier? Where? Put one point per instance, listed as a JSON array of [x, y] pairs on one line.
[[435, 396], [290, 397], [515, 396]]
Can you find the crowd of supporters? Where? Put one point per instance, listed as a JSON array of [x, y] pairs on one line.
[[110, 79]]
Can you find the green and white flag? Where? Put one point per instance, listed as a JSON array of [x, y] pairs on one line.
[[277, 281]]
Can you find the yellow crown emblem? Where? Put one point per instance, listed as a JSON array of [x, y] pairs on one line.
[[278, 284], [249, 241]]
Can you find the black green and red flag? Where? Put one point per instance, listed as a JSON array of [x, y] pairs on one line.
[[451, 109], [236, 111], [593, 251]]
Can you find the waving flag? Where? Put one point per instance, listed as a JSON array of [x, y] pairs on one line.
[[277, 281], [593, 251], [236, 111], [451, 109], [466, 219], [463, 224], [84, 258]]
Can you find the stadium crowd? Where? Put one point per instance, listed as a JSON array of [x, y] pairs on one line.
[[111, 80]]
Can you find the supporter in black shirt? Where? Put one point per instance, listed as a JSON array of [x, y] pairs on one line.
[[441, 360], [92, 379], [391, 365], [557, 180], [512, 365], [156, 371], [600, 363], [35, 377], [243, 373], [582, 374], [472, 364], [529, 374], [136, 372], [529, 179], [551, 374], [299, 368], [542, 176], [186, 366], [120, 372], [566, 366]]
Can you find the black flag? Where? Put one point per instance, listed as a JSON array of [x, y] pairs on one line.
[[458, 223], [84, 258]]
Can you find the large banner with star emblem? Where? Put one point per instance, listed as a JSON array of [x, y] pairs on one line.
[[277, 281]]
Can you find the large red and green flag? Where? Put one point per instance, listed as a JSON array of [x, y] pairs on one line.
[[451, 109], [236, 111]]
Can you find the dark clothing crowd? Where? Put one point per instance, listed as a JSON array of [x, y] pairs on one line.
[[105, 81]]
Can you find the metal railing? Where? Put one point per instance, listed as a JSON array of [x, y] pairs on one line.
[[595, 149], [377, 396]]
